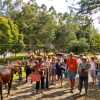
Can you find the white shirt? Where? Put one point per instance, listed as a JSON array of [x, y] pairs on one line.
[[92, 65], [79, 61]]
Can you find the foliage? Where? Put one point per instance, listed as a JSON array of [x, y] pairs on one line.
[[9, 34], [37, 25], [95, 42], [78, 46], [83, 45], [89, 6], [28, 26]]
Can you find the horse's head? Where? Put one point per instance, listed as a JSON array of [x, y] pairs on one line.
[[13, 68]]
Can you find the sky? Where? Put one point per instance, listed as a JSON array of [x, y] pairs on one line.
[[59, 5], [96, 18], [62, 6]]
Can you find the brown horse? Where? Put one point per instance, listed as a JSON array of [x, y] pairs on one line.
[[6, 77]]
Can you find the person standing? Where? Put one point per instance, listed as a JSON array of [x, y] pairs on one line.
[[93, 70], [27, 70], [35, 77], [53, 71], [46, 72], [72, 70], [41, 71], [83, 74], [58, 71], [98, 74]]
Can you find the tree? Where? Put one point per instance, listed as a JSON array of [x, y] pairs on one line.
[[83, 45], [73, 46], [89, 6], [78, 46], [95, 42], [37, 25], [9, 34], [9, 7], [63, 37]]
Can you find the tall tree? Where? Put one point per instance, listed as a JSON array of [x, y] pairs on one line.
[[89, 6], [9, 34]]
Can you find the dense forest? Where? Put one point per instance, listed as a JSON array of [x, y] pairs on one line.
[[28, 26]]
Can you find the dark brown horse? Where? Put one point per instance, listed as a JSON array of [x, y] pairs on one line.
[[6, 77]]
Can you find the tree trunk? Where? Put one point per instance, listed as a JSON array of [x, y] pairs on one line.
[[15, 54], [4, 57]]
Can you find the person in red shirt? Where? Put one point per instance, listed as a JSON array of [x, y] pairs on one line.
[[35, 77], [40, 68], [72, 70]]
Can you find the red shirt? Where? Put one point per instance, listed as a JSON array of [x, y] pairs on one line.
[[35, 77], [72, 64], [39, 67]]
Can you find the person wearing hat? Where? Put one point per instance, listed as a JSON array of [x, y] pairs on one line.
[[72, 64], [83, 74]]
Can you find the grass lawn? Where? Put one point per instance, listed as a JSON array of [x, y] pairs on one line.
[[16, 77]]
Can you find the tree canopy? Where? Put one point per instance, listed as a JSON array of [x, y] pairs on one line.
[[9, 34], [35, 27], [89, 6]]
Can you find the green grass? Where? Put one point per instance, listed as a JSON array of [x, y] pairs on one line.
[[20, 54], [16, 77]]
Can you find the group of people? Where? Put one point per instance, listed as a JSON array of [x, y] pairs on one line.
[[84, 67], [44, 71]]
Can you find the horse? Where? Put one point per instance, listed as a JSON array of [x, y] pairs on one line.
[[6, 77]]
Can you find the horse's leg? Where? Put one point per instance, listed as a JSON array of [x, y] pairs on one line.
[[9, 84], [1, 90]]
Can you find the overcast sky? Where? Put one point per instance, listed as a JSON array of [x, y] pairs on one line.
[[59, 5], [62, 6]]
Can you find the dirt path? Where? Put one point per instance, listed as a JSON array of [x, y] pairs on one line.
[[24, 92]]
